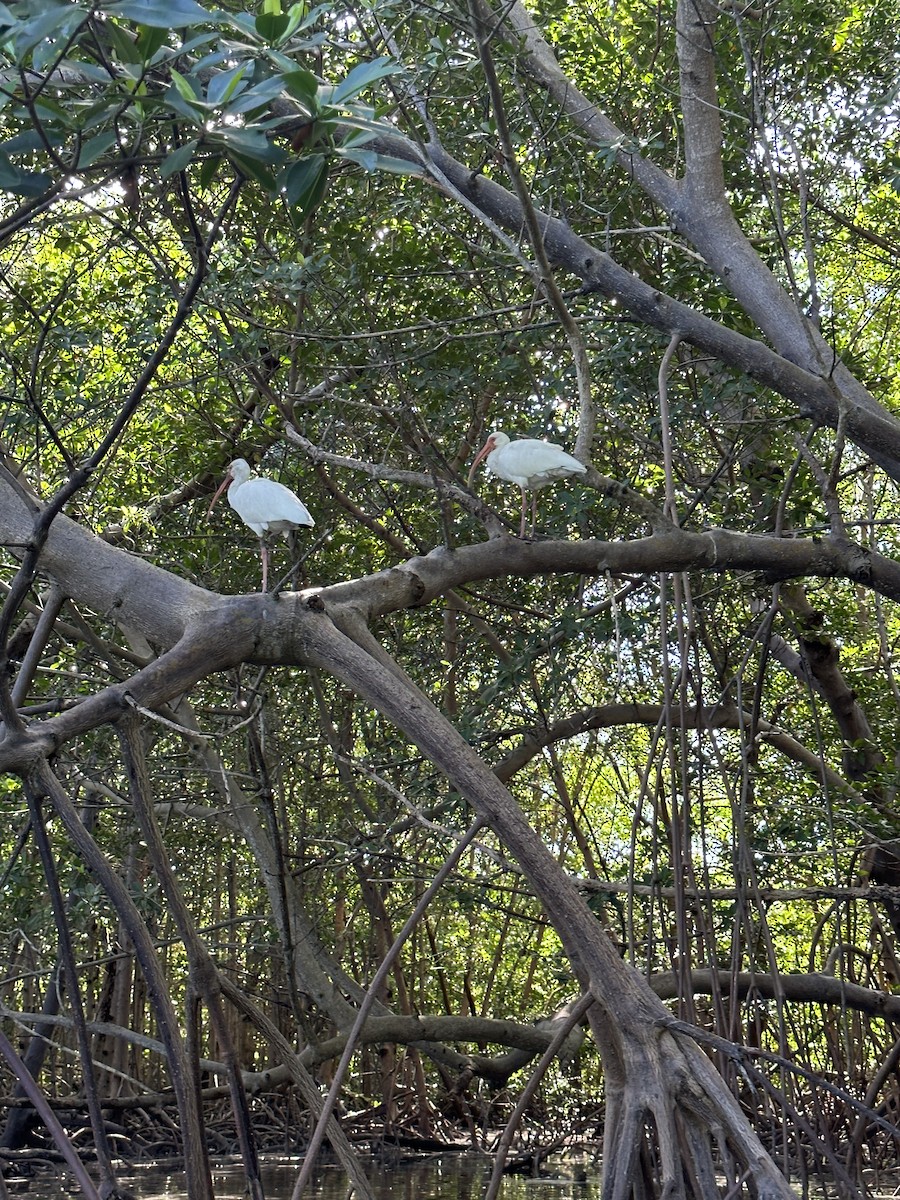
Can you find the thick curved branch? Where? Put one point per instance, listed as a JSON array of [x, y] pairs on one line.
[[705, 215], [642, 1065], [208, 633], [524, 1041], [425, 577], [697, 206], [812, 988], [812, 388], [223, 638], [607, 716], [105, 578]]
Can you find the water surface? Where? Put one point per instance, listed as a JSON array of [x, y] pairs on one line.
[[447, 1177]]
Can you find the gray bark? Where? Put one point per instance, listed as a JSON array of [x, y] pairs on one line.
[[647, 1064]]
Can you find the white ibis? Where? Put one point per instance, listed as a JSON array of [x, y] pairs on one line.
[[263, 504], [528, 462]]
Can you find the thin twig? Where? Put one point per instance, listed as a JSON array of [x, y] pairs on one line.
[[370, 997]]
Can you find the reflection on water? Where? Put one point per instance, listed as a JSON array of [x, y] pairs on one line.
[[452, 1177]]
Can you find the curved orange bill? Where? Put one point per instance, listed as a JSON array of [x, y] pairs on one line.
[[482, 453], [221, 488]]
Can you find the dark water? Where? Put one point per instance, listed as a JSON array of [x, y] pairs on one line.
[[451, 1177]]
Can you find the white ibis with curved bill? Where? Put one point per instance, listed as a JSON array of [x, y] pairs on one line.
[[528, 462], [264, 504]]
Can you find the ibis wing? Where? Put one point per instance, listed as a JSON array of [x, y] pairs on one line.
[[532, 463], [266, 505]]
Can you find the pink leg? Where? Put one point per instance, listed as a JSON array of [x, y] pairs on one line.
[[524, 513], [264, 555]]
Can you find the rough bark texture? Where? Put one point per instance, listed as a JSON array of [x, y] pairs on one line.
[[660, 1087], [652, 1072]]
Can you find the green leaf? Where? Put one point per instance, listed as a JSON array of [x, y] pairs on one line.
[[204, 38], [371, 160], [367, 159], [355, 138], [179, 159], [208, 170], [272, 26], [303, 86], [249, 143], [49, 110], [297, 16], [225, 84], [30, 140], [242, 22], [356, 118], [95, 148], [186, 87], [22, 183], [303, 183], [361, 76], [124, 43], [208, 62], [163, 14], [255, 170], [259, 95], [397, 166], [196, 113], [150, 40], [310, 17], [47, 29]]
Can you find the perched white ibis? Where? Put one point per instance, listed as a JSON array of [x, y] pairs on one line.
[[263, 504], [528, 462]]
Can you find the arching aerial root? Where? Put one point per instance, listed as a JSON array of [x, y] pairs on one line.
[[669, 1136]]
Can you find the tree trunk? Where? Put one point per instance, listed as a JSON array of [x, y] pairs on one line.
[[659, 1084]]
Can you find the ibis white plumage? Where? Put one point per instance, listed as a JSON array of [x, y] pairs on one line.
[[527, 462], [264, 504]]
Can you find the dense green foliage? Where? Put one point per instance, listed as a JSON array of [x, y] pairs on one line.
[[231, 233]]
